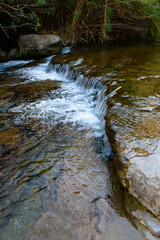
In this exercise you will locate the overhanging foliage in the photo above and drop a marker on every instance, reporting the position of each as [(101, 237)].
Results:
[(83, 20)]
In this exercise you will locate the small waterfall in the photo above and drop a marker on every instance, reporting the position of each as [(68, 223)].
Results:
[(90, 85), (86, 83)]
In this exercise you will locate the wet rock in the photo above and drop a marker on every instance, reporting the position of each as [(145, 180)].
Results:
[(14, 53), (32, 91), (35, 45), (9, 138), (3, 56), (137, 149), (11, 55), (148, 236), (149, 221), (3, 103), (144, 179), (1, 150)]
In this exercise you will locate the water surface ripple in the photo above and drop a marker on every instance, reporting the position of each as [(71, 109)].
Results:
[(56, 179)]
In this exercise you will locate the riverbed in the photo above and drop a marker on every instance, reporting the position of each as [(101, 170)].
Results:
[(57, 174)]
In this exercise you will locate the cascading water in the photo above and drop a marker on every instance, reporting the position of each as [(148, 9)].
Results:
[(15, 63), (94, 92), (54, 173)]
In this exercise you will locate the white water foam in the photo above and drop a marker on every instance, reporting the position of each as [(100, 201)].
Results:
[(67, 49), (15, 63), (36, 73), (73, 105)]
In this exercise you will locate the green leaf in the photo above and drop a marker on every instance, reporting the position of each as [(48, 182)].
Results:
[(37, 26), (41, 2), (77, 14), (33, 15)]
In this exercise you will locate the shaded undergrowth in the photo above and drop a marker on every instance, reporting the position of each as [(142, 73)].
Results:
[(83, 20)]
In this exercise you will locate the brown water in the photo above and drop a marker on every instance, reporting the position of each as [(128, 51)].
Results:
[(57, 179)]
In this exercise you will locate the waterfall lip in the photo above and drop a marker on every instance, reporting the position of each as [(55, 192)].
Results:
[(91, 84), (88, 84)]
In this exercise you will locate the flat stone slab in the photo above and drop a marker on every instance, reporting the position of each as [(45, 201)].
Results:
[(144, 178)]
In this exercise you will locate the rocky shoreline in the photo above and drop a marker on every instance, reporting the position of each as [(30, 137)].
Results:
[(137, 165)]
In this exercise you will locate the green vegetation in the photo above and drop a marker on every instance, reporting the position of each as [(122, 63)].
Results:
[(140, 16), (82, 20), (21, 14)]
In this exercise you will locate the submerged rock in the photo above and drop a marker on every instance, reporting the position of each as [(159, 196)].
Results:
[(35, 45)]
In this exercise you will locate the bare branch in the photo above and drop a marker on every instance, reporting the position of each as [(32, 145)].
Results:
[(4, 31)]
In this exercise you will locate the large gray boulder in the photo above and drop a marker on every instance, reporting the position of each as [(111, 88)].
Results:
[(35, 45)]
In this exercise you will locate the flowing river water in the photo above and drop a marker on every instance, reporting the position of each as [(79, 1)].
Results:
[(57, 177)]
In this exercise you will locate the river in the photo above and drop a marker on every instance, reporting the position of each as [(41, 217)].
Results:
[(57, 176)]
